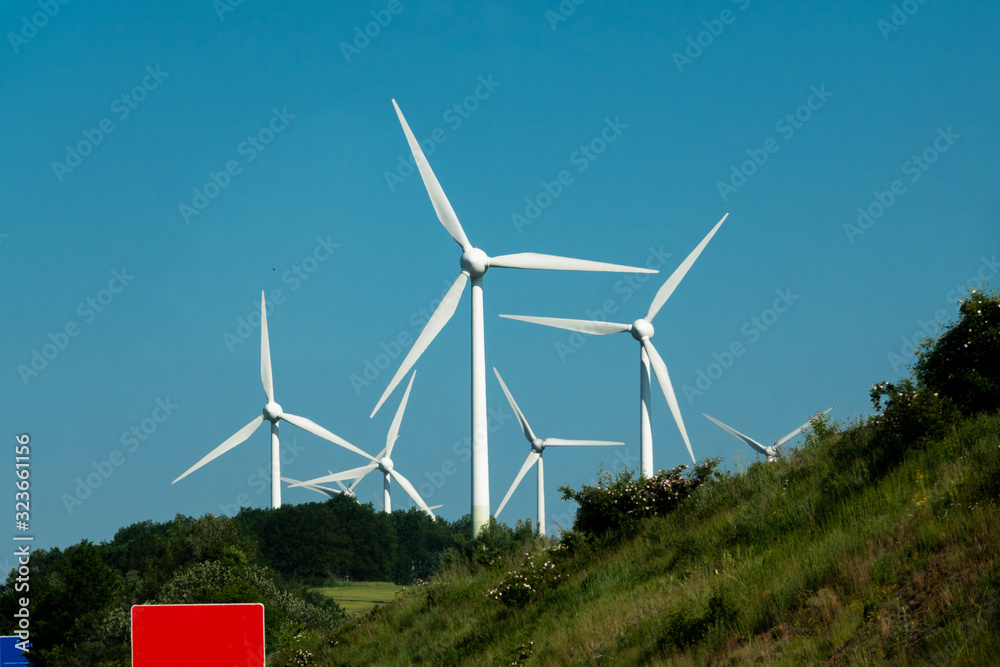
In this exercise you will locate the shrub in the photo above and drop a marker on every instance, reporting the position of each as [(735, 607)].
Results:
[(619, 501)]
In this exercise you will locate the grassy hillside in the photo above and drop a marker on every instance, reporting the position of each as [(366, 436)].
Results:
[(857, 548)]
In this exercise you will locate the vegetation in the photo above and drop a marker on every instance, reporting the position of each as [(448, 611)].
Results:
[(875, 542)]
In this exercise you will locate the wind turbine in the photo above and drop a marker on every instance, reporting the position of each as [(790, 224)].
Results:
[(273, 413), (326, 491), (381, 462), (382, 506), (642, 331), (770, 452), (474, 263), (538, 446)]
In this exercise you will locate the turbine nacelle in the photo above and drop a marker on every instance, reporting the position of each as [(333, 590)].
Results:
[(642, 329), (475, 262), (272, 412)]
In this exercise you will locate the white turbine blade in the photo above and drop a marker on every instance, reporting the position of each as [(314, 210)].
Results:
[(230, 442), (445, 213), (533, 260), (663, 379), (394, 429), (583, 326), (528, 462), (438, 319), (675, 278), (347, 474), (379, 502), (314, 428), (312, 487), (435, 507), (745, 438), (517, 411), (794, 433), (410, 491), (265, 353), (559, 442)]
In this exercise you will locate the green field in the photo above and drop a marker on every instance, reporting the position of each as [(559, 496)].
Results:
[(359, 598)]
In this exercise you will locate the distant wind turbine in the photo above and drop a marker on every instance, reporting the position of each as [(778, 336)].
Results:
[(474, 264), (326, 491), (382, 462), (272, 413), (770, 452), (538, 446), (642, 331)]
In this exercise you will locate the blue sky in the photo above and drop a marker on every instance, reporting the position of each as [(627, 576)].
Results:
[(168, 163)]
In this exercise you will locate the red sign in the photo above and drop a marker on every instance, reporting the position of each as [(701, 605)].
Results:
[(213, 635)]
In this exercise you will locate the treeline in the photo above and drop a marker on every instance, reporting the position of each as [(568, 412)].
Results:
[(81, 597)]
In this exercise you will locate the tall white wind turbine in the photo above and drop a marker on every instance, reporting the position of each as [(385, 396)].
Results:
[(642, 331), (382, 462), (272, 413), (474, 263), (538, 446), (770, 452)]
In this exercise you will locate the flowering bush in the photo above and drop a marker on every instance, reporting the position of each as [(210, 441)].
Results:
[(618, 501), (518, 587), (911, 414)]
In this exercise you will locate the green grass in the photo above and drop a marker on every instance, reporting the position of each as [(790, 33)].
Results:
[(829, 556), (361, 597)]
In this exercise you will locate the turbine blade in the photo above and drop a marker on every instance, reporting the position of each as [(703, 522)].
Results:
[(528, 462), (380, 505), (312, 487), (438, 319), (347, 474), (794, 433), (583, 326), (394, 429), (314, 428), (232, 441), (534, 260), (410, 491), (663, 379), (675, 278), (265, 353), (445, 213), (761, 449), (517, 411), (559, 442)]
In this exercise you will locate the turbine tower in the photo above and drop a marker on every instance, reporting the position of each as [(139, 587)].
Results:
[(272, 413), (770, 452), (382, 462), (642, 331), (538, 446), (474, 264)]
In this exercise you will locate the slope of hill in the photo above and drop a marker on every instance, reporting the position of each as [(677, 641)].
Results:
[(847, 551)]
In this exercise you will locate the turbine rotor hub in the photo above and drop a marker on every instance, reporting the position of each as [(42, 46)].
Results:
[(272, 412), (537, 445), (642, 328), (475, 262), (385, 464)]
